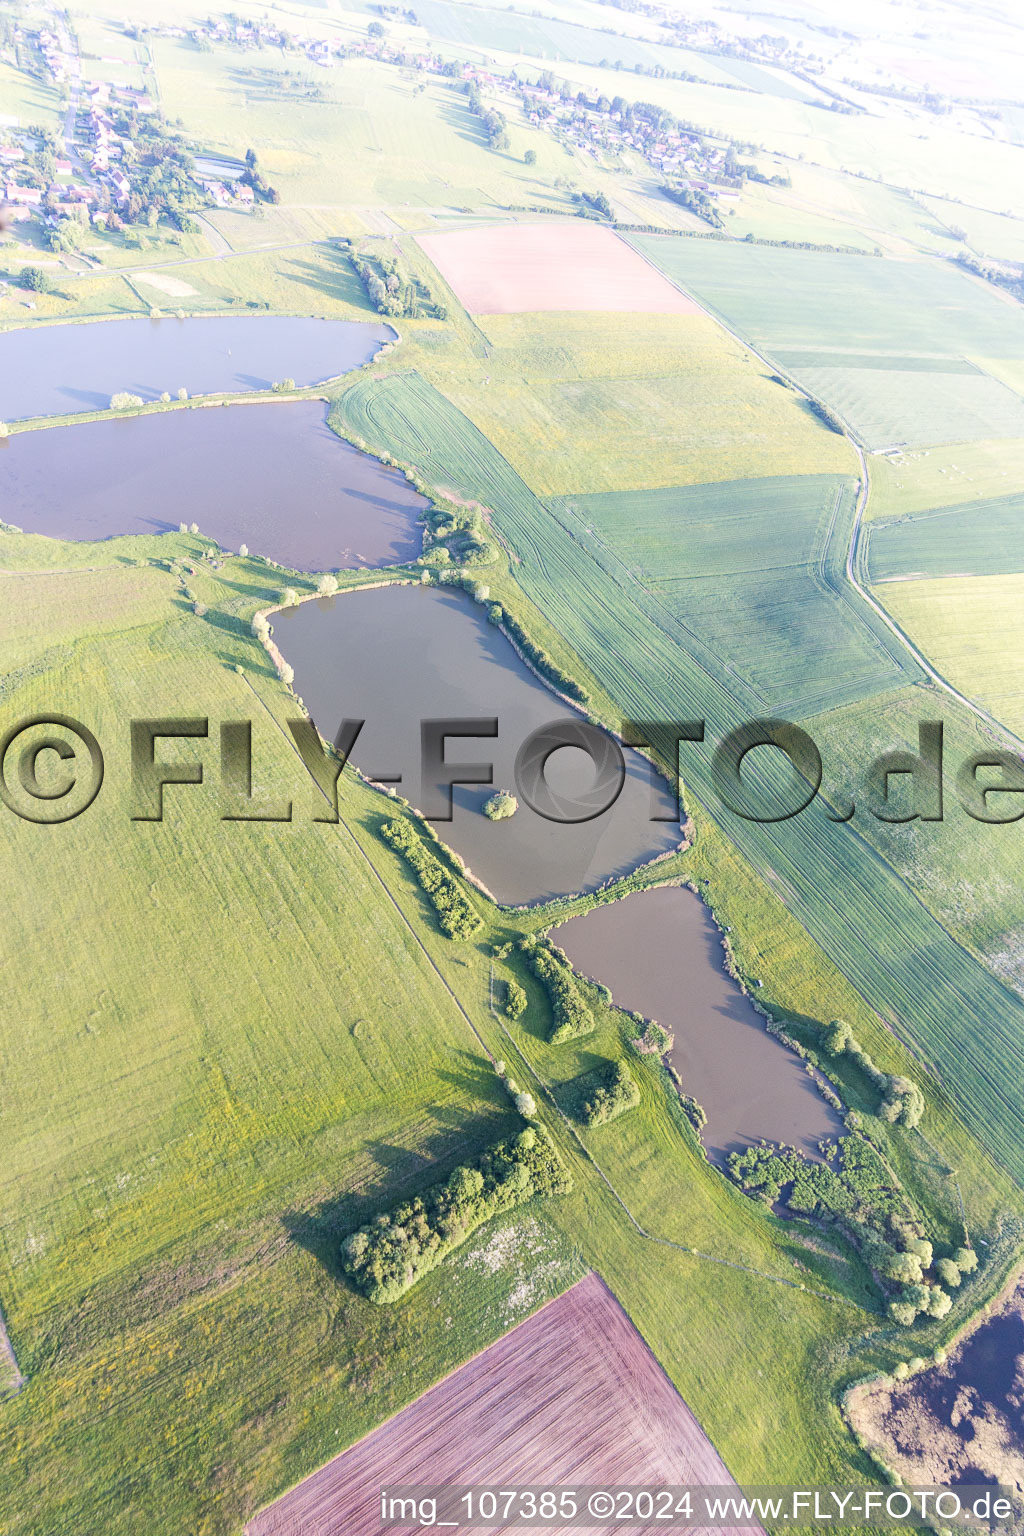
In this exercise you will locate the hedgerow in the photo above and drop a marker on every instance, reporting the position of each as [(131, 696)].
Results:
[(455, 914)]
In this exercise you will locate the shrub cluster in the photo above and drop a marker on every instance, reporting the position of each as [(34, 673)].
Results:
[(395, 1250), (569, 1013), (455, 914), (515, 999), (545, 665), (902, 1100), (860, 1196), (606, 1093)]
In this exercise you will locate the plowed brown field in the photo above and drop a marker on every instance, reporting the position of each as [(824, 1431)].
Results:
[(573, 1396), (525, 268)]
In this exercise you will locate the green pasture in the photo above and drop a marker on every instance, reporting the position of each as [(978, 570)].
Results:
[(592, 403), (369, 140), (927, 986), (969, 628), (812, 300), (965, 872), (981, 538), (916, 481), (748, 570), (28, 99), (915, 406)]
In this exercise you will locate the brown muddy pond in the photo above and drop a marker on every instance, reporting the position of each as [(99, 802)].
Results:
[(393, 656), (51, 370), (959, 1424), (271, 476), (660, 954)]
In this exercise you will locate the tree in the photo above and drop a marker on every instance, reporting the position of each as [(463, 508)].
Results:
[(948, 1273), (251, 159), (939, 1303), (193, 527), (327, 585), (530, 158), (376, 29), (289, 597), (287, 674), (501, 806), (526, 1105), (515, 999), (284, 386), (243, 550), (966, 1260), (182, 394), (34, 279), (165, 398), (123, 401), (4, 429)]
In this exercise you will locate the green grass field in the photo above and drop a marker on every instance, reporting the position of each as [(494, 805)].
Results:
[(369, 140), (813, 300), (917, 407), (944, 476), (967, 626), (982, 538), (592, 403), (749, 568)]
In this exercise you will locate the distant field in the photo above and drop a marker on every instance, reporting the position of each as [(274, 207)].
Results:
[(543, 37), (749, 567), (944, 476), (983, 538), (367, 140), (517, 268), (969, 628), (683, 403), (869, 336), (504, 1418), (813, 300), (27, 99), (915, 406)]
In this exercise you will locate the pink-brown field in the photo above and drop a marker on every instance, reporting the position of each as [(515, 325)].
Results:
[(524, 268), (573, 1396)]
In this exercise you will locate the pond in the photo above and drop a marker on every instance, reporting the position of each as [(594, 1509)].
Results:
[(52, 370), (957, 1424), (393, 656), (660, 954), (271, 476)]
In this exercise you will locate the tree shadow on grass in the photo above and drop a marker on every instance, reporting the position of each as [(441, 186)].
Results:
[(333, 275), (400, 1173)]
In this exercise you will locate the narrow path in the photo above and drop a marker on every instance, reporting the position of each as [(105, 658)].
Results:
[(7, 1351)]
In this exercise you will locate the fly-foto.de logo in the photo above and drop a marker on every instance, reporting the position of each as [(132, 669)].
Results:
[(52, 769)]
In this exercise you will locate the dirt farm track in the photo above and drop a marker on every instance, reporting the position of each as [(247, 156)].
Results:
[(573, 1395)]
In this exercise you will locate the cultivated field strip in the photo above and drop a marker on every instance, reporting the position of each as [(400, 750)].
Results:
[(980, 538), (571, 1396), (905, 964)]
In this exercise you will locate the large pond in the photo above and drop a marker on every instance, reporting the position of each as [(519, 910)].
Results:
[(393, 656), (273, 477), (661, 955), (50, 370)]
